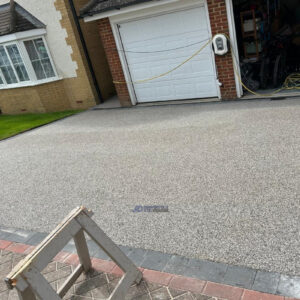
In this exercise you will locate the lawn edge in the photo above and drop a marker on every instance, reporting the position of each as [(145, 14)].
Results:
[(38, 126)]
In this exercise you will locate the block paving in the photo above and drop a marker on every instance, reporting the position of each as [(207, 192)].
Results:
[(105, 275), (94, 285)]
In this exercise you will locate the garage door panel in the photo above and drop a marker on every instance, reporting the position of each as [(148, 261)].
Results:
[(198, 67), (176, 54), (149, 93), (205, 89), (168, 42), (159, 65), (194, 70), (195, 79), (185, 89), (136, 40), (182, 89), (143, 29), (163, 91)]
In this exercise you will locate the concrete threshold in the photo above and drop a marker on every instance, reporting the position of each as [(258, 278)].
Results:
[(178, 102), (280, 96), (114, 103)]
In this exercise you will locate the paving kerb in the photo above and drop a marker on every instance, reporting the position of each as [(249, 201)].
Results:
[(229, 275)]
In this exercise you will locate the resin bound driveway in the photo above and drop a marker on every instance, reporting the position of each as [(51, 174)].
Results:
[(229, 173)]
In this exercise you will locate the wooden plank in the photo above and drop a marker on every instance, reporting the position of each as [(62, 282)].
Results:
[(122, 287), (19, 284), (72, 226), (58, 233), (27, 294), (82, 250), (40, 285), (110, 248), (70, 281), (58, 241), (37, 260)]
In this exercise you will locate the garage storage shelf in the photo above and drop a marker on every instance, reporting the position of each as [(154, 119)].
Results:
[(250, 34)]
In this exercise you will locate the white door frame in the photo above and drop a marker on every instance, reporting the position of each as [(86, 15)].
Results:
[(174, 7), (126, 72), (234, 47)]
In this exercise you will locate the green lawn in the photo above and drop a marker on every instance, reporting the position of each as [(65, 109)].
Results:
[(13, 124)]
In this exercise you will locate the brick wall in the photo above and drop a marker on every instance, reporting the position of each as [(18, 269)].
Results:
[(40, 98), (219, 24), (114, 62)]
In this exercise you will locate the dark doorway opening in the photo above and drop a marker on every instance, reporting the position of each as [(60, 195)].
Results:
[(268, 37)]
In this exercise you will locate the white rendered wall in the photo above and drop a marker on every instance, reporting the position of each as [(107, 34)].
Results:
[(45, 11)]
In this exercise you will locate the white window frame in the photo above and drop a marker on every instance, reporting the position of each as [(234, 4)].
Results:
[(12, 65), (49, 56), (18, 40)]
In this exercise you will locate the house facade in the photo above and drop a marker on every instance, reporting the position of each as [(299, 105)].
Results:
[(42, 63), (143, 40), (73, 54), (56, 74)]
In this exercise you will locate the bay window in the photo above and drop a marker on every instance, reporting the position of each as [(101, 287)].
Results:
[(39, 58), (6, 67), (25, 62), (17, 62)]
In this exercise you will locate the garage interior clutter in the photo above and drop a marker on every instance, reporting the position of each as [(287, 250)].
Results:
[(268, 38)]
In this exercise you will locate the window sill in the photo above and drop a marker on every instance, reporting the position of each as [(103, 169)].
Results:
[(29, 83)]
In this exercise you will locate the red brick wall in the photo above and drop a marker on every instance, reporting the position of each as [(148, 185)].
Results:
[(113, 59), (219, 24)]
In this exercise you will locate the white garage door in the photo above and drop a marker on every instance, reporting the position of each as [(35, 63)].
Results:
[(145, 42)]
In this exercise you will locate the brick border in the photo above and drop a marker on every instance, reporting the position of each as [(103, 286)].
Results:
[(199, 276), (165, 279)]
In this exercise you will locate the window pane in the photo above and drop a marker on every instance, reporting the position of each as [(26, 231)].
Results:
[(40, 47), (17, 61), (21, 72), (6, 67), (14, 54), (31, 50), (38, 69), (9, 75), (48, 68), (3, 57), (39, 57), (1, 81)]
